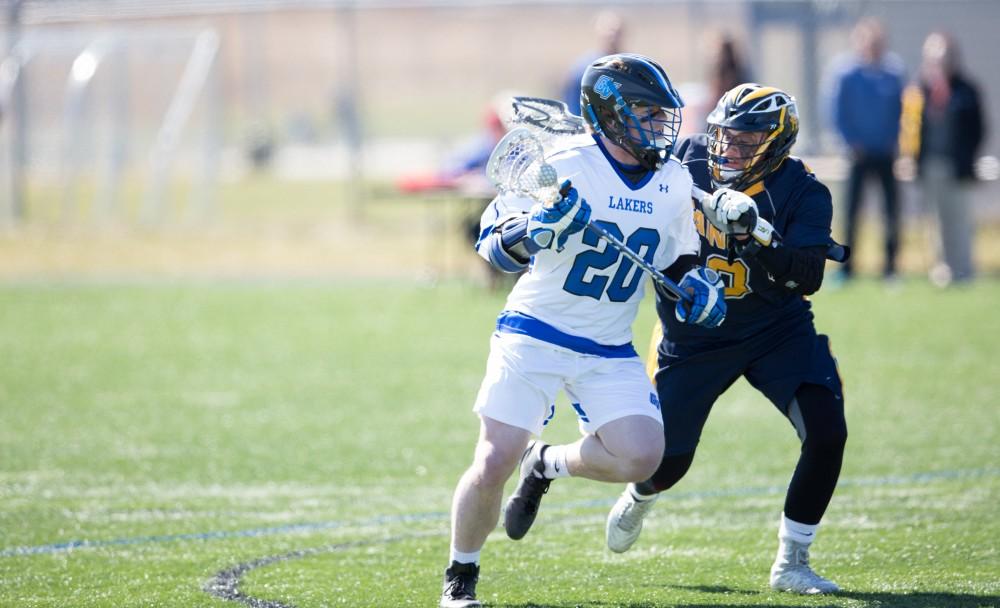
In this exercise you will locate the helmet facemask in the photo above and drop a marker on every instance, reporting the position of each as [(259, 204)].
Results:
[(647, 132), (629, 100), (737, 159), (650, 132)]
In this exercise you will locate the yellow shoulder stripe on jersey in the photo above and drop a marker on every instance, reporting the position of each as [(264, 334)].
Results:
[(651, 356), (755, 189)]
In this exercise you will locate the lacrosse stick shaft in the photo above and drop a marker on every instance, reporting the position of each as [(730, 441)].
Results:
[(699, 195), (641, 263)]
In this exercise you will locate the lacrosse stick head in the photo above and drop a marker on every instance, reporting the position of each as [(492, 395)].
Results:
[(550, 116), (517, 165)]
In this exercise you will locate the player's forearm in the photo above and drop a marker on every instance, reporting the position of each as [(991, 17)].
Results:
[(797, 270)]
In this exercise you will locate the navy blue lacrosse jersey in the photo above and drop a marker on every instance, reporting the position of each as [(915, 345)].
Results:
[(801, 211)]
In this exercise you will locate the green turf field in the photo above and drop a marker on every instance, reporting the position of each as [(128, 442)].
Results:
[(297, 443)]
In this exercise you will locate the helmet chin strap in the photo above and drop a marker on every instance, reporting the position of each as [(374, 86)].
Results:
[(656, 163), (644, 161), (642, 156), (731, 177), (616, 148)]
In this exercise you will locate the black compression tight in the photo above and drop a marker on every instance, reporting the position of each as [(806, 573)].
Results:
[(671, 470), (818, 469), (816, 474)]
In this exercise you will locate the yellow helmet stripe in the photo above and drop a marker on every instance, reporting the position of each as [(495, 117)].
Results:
[(739, 90), (762, 148), (761, 92), (781, 125)]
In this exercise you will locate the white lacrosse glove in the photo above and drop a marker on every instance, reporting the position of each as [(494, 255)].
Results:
[(556, 223), (735, 213)]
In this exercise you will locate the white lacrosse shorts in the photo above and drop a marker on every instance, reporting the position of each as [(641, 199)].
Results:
[(524, 375)]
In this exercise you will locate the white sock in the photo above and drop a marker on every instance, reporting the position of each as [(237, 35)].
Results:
[(464, 558), (793, 530), (638, 496), (555, 462)]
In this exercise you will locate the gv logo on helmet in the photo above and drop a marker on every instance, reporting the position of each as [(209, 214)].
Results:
[(606, 86)]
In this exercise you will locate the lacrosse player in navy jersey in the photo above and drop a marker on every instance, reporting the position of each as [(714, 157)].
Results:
[(567, 322), (766, 230)]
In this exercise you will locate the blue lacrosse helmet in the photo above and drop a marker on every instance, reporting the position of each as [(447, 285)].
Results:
[(628, 98)]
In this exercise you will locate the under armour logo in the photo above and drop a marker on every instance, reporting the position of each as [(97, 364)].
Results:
[(664, 188)]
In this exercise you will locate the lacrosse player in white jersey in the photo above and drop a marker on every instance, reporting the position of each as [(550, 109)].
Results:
[(567, 322)]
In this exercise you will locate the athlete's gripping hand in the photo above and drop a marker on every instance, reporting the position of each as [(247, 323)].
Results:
[(735, 213), (708, 301), (566, 217)]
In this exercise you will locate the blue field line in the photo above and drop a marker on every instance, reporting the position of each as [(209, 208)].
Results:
[(892, 480), (219, 534)]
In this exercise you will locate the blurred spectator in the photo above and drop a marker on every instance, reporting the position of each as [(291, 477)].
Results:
[(867, 102), (608, 32), (464, 172), (464, 169), (726, 70), (943, 129), (260, 147)]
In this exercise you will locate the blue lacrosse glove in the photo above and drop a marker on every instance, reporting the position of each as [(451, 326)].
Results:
[(558, 222), (708, 300)]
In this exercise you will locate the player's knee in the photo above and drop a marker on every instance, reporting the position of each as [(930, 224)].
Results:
[(823, 415), (494, 464), (641, 463), (670, 470), (829, 439)]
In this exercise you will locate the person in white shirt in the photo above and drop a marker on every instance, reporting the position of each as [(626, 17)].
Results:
[(567, 322)]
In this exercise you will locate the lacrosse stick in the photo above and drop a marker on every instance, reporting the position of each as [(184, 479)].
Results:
[(700, 195), (517, 165)]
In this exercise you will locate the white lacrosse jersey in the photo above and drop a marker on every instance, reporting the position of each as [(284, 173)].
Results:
[(586, 296)]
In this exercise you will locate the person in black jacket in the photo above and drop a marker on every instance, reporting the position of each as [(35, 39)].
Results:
[(944, 107)]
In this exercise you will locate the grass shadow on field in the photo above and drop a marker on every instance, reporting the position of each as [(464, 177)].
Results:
[(870, 599), (929, 599), (671, 604), (881, 599)]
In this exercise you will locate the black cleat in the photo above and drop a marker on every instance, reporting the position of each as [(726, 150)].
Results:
[(460, 586), (522, 506)]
